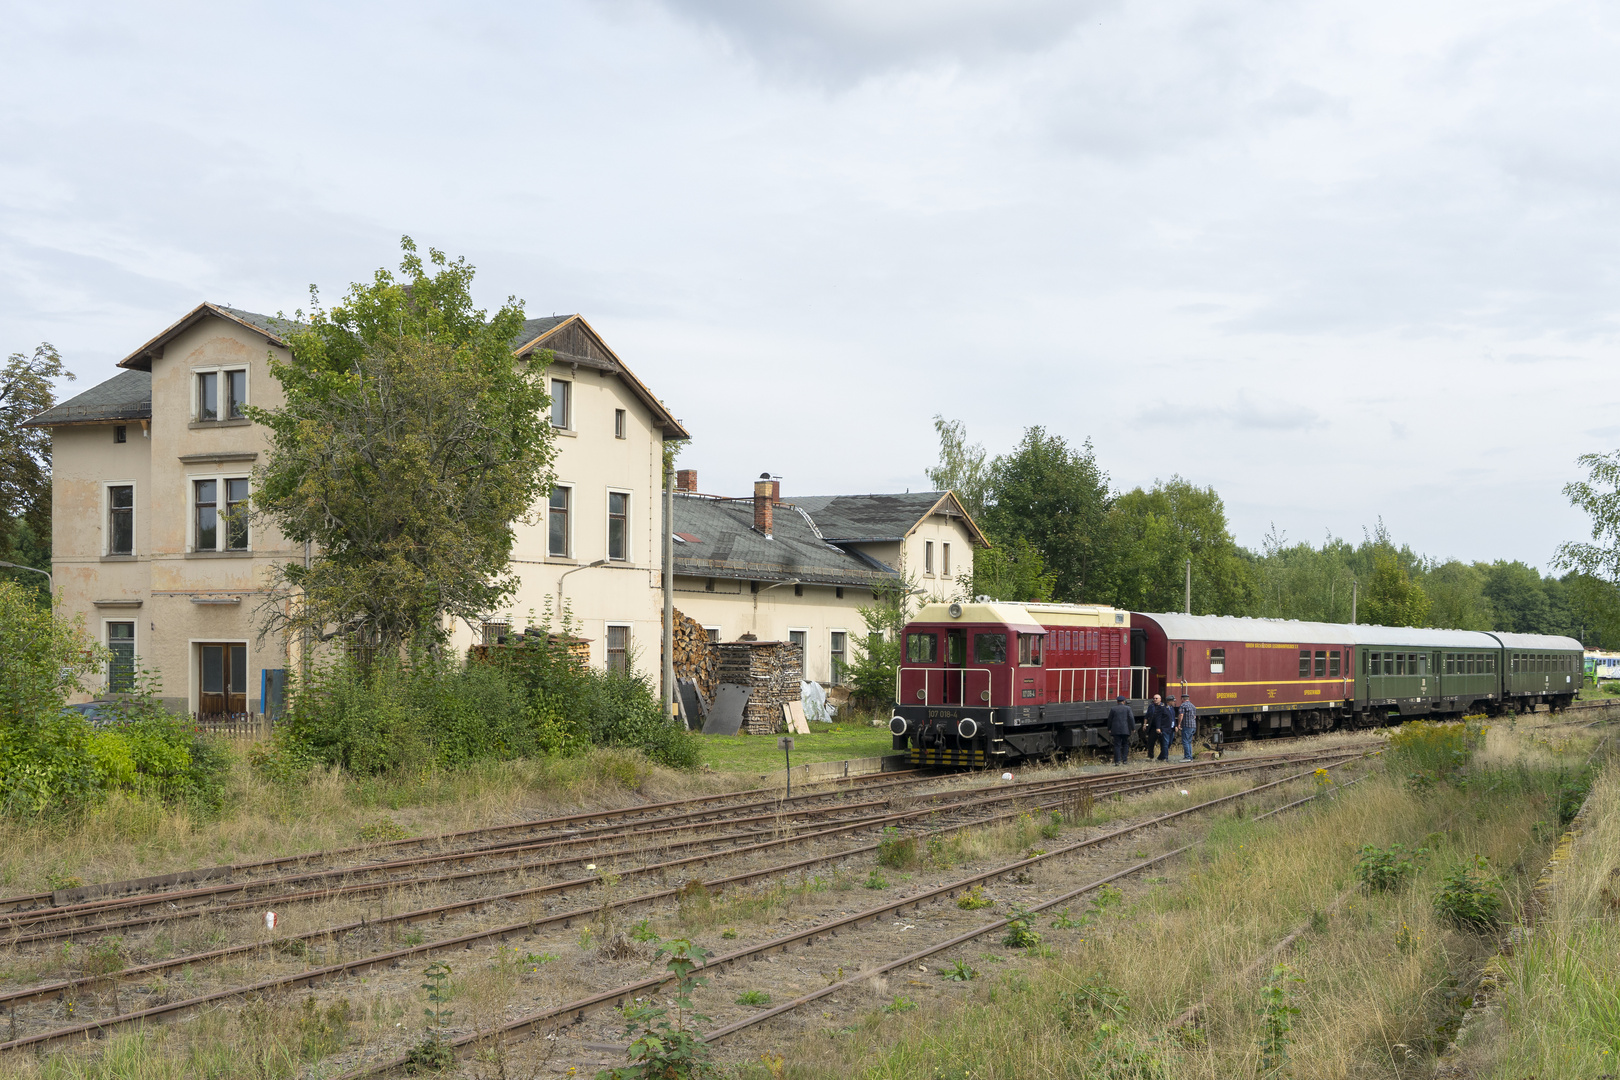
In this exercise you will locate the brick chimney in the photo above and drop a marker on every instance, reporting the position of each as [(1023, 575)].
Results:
[(686, 480), (764, 502), (776, 491)]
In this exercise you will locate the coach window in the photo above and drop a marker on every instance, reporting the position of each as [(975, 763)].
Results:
[(1333, 664), (1321, 663), (1389, 663), (1400, 663), (1413, 665), (1366, 658), (1180, 656), (1217, 661), (990, 649), (1304, 663), (922, 648), (1513, 663), (1490, 663)]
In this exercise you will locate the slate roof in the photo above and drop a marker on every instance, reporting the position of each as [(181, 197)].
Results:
[(271, 327), (125, 396), (727, 546), (872, 519)]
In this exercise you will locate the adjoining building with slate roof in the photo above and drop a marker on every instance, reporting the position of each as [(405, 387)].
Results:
[(799, 569)]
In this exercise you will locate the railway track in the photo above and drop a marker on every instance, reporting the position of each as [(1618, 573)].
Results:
[(554, 1020), (990, 805)]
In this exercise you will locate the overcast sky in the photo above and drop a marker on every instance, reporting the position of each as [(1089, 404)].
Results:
[(1338, 260)]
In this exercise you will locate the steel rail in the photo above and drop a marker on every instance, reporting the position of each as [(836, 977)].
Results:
[(576, 1010), (315, 976), (22, 922)]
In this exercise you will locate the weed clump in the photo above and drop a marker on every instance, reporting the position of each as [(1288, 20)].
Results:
[(1431, 753), (1021, 932), (1384, 869), (1468, 898), (896, 851), (974, 899)]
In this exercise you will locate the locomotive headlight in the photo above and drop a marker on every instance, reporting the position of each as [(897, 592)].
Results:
[(967, 728), (984, 695), (922, 695), (897, 725)]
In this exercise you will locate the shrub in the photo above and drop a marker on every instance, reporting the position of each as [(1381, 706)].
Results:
[(1021, 932), (1383, 869), (1468, 898), (895, 850)]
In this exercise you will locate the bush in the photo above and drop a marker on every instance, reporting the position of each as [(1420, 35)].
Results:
[(1468, 898), (1383, 869)]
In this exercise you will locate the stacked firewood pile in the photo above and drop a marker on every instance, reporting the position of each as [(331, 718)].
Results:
[(695, 656), (772, 670)]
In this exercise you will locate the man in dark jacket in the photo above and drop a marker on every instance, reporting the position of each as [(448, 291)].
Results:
[(1160, 720), (1187, 723), (1120, 725)]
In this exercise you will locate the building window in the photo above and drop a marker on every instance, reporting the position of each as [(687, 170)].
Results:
[(236, 514), (208, 396), (206, 505), (945, 560), (235, 394), (1217, 661), (121, 520), (840, 642), (618, 648), (798, 589), (713, 634), (121, 666), (618, 423), (496, 631), (561, 404), (557, 522), (928, 556), (618, 525), (120, 433), (839, 592), (708, 585), (799, 638)]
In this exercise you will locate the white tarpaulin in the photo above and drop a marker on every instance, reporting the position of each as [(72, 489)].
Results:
[(814, 700)]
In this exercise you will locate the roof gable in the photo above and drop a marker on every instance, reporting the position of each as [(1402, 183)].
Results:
[(269, 327), (871, 519), (571, 340)]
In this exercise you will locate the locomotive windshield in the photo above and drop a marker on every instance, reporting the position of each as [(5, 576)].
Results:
[(990, 648), (922, 648), (1029, 650)]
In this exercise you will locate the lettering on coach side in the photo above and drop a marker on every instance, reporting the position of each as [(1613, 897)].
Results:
[(1313, 692), (1267, 645), (1222, 697)]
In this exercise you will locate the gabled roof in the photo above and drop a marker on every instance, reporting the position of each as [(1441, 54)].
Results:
[(872, 519), (571, 340), (125, 396), (726, 545), (271, 328)]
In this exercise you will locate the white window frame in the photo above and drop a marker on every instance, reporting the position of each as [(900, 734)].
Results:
[(573, 513), (106, 624), (621, 423), (607, 523), (106, 517), (805, 630), (629, 644), (945, 558), (568, 405), (928, 558), (715, 630), (832, 655), (219, 392), (219, 510)]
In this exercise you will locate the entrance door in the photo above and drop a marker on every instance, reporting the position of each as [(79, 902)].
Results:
[(955, 661), (1178, 667), (223, 687)]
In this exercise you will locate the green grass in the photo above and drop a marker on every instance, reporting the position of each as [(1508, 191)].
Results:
[(826, 742)]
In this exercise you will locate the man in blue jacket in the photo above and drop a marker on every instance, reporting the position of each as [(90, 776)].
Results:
[(1188, 723), (1121, 722), (1161, 718)]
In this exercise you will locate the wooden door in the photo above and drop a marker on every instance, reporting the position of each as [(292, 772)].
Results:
[(223, 680)]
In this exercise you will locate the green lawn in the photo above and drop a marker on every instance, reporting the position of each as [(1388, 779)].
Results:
[(826, 742)]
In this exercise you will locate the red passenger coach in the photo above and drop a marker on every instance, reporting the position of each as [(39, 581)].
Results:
[(1253, 675)]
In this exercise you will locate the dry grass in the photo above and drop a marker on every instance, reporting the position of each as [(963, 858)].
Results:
[(128, 837), (1383, 979), (1560, 1011)]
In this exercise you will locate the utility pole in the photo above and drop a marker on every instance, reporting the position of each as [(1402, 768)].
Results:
[(669, 587), (1355, 587), (1188, 610)]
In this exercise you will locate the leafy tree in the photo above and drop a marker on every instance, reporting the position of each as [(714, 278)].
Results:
[(26, 390), (1390, 597), (1457, 597), (1599, 496), (1010, 569), (1594, 610), (1298, 581), (963, 468), (1518, 597), (1055, 497), (1154, 533), (409, 444), (871, 674)]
